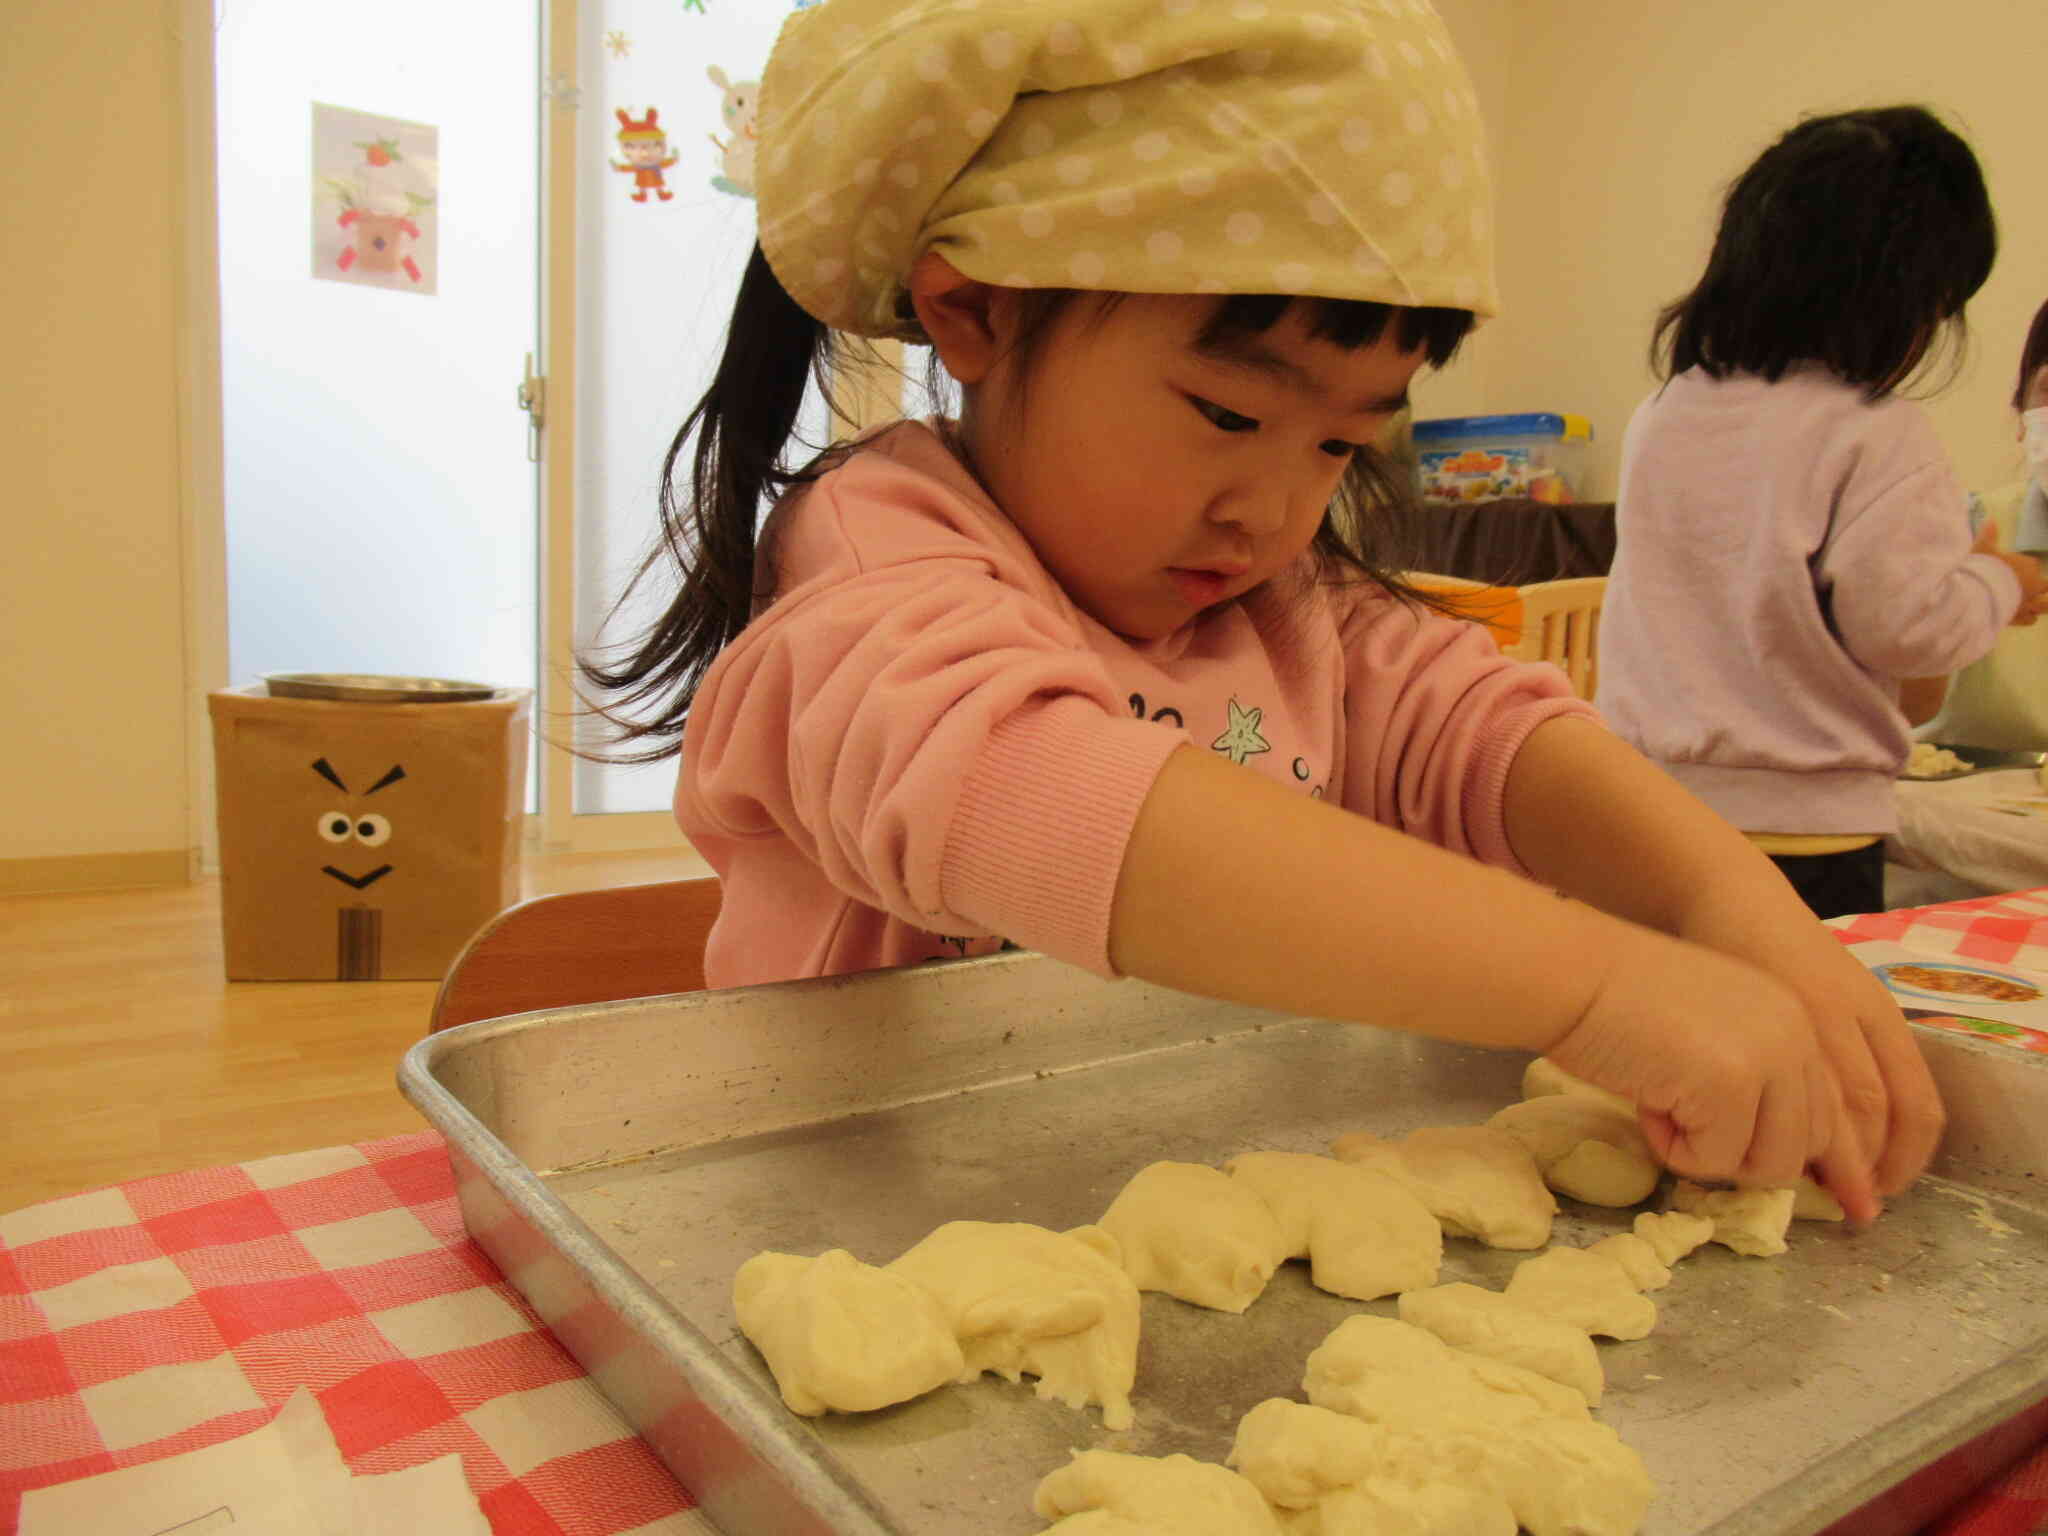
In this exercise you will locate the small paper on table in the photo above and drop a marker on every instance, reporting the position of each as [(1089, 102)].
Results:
[(285, 1479)]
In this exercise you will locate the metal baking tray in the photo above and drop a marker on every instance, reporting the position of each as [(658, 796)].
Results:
[(620, 1161)]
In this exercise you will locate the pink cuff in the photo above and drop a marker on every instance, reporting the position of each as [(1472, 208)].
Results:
[(1038, 837)]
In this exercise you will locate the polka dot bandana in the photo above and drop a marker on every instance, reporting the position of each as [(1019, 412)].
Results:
[(1325, 148)]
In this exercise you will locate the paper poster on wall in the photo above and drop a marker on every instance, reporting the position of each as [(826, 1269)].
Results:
[(376, 183)]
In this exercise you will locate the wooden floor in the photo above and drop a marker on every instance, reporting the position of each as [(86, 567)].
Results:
[(124, 1052)]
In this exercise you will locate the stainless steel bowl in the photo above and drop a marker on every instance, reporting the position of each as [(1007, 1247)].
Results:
[(368, 688)]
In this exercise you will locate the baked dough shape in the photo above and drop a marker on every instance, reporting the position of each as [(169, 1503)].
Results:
[(1393, 1373), (1174, 1493), (1194, 1232), (1543, 1077), (1482, 1424), (1812, 1203), (1476, 1180), (1483, 1322), (1363, 1233), (1589, 1290), (1025, 1300), (1672, 1234), (1584, 1147), (1337, 1476), (843, 1336), (1750, 1221)]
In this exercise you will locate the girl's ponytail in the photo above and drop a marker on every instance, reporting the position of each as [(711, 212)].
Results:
[(742, 426)]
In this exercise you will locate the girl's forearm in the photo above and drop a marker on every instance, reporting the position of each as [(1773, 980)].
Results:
[(1238, 888)]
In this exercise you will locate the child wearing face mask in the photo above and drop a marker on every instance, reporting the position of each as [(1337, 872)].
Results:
[(1789, 550), (2002, 700), (1113, 666)]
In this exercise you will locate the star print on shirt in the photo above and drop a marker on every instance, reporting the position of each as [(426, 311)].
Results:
[(1242, 740)]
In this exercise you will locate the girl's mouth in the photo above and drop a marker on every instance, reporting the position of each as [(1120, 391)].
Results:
[(1201, 589)]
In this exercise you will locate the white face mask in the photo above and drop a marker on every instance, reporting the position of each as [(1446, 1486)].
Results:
[(2034, 427)]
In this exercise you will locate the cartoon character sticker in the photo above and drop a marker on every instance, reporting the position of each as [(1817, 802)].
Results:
[(736, 149), (375, 188), (644, 143)]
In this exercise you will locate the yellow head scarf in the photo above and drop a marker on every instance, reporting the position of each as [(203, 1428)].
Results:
[(1325, 148)]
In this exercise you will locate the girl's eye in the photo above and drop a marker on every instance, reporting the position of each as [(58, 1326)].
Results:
[(1337, 448), (1223, 420)]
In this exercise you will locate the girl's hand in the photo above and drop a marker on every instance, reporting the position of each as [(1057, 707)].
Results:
[(1727, 1073), (2033, 588)]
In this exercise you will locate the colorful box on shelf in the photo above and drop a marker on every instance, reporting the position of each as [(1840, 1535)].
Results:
[(1537, 454)]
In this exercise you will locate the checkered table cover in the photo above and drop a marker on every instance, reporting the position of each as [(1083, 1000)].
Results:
[(158, 1316)]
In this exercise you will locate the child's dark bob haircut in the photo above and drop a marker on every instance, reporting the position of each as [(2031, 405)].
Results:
[(2033, 357), (1853, 242)]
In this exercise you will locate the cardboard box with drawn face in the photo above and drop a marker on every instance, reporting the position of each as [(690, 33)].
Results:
[(364, 841)]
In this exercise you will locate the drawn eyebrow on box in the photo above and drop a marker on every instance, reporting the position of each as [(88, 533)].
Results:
[(397, 772), (326, 771)]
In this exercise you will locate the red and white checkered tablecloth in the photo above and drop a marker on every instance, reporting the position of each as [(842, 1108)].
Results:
[(155, 1317)]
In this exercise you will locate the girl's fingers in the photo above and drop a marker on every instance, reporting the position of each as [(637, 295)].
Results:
[(1781, 1145), (1914, 1117)]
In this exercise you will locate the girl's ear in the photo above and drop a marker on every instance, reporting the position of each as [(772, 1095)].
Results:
[(966, 320)]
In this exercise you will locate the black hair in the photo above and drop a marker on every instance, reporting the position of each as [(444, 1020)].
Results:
[(1853, 242), (2033, 356), (743, 429)]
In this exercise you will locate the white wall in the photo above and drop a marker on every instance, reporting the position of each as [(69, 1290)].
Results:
[(1626, 120)]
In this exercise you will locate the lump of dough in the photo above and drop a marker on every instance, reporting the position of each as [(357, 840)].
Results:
[(1024, 1299), (1175, 1493), (1672, 1234), (1478, 1181), (1560, 1478), (1364, 1235), (1100, 1522), (1387, 1506), (1751, 1221), (1354, 1478), (1637, 1258), (1812, 1203), (1543, 1077), (841, 1335), (1194, 1232), (1393, 1373), (1589, 1290), (1483, 1322), (1584, 1147)]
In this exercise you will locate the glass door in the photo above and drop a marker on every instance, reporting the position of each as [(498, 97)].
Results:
[(379, 272)]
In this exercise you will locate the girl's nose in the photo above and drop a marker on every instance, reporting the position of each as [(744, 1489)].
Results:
[(1256, 506)]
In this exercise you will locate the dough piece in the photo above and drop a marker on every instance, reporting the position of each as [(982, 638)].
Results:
[(1483, 1322), (1544, 1076), (1560, 1478), (1346, 1477), (1385, 1506), (1364, 1235), (1637, 1258), (1812, 1203), (1672, 1234), (1175, 1493), (1024, 1299), (1481, 1425), (1396, 1374), (1100, 1522), (1584, 1147), (1478, 1181), (1751, 1221), (1589, 1290), (1194, 1232), (842, 1335)]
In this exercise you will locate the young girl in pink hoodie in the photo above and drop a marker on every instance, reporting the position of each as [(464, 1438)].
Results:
[(1114, 665)]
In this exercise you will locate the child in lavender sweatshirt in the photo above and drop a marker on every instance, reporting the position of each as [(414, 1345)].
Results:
[(1792, 546), (1113, 665)]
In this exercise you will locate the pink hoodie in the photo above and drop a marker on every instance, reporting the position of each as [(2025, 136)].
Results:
[(920, 748)]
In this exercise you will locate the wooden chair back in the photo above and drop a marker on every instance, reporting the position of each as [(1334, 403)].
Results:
[(1561, 625), (581, 947), (1498, 608)]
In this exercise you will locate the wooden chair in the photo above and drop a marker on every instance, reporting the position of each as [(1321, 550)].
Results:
[(581, 947), (1561, 625), (1498, 608)]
